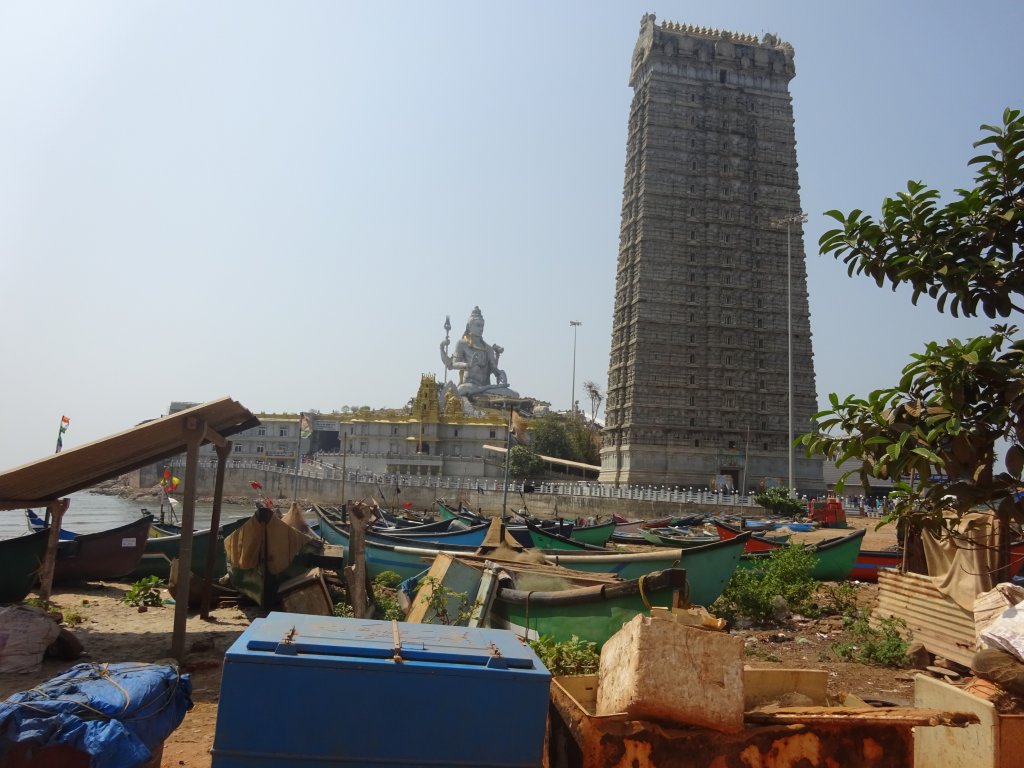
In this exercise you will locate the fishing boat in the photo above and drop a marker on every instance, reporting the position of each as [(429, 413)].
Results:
[(20, 558), (759, 542), (552, 541), (547, 601), (834, 559), (161, 550), (36, 523), (597, 534), (709, 567), (869, 561), (470, 537), (672, 537), (108, 554)]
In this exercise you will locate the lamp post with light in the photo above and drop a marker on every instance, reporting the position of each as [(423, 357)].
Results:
[(572, 399), (789, 221)]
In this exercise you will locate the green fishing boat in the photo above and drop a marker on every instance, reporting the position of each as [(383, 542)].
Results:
[(20, 558), (708, 567), (597, 535), (834, 559), (161, 550), (536, 600)]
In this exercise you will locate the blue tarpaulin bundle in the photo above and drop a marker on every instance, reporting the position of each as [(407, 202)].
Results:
[(115, 713)]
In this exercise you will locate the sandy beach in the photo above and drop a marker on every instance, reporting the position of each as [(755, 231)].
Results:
[(112, 631)]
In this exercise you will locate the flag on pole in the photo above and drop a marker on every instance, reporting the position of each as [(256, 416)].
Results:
[(64, 422)]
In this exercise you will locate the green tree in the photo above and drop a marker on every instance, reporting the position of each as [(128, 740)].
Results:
[(523, 463), (779, 502), (936, 433), (550, 435)]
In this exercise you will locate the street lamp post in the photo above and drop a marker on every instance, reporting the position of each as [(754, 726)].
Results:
[(572, 399), (789, 221)]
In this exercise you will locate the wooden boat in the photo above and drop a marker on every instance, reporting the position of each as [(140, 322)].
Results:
[(20, 558), (709, 567), (36, 523), (664, 537), (869, 561), (470, 537), (550, 540), (546, 601), (834, 558), (161, 550), (446, 511), (597, 534), (108, 554), (756, 543)]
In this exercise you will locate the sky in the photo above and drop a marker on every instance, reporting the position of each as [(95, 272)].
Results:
[(281, 202)]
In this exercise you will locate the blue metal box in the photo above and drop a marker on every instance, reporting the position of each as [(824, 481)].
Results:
[(317, 691)]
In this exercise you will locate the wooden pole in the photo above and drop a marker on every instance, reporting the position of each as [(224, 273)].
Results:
[(194, 429), (359, 594), (213, 542), (55, 510)]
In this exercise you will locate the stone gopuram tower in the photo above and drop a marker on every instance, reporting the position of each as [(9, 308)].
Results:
[(710, 276)]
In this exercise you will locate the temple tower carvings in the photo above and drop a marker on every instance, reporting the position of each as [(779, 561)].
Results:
[(698, 381)]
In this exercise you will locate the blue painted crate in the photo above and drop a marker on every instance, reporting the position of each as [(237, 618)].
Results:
[(317, 691)]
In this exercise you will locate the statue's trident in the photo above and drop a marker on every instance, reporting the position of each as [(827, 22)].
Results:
[(444, 346)]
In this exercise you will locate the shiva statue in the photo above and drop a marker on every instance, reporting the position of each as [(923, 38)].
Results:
[(475, 360)]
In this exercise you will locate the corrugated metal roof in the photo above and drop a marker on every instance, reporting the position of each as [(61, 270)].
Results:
[(83, 467)]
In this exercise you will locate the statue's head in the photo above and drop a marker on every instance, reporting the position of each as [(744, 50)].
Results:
[(475, 324)]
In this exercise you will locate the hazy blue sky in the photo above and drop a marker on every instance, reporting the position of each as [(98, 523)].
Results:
[(280, 202)]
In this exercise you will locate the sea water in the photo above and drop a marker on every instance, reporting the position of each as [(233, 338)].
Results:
[(90, 512)]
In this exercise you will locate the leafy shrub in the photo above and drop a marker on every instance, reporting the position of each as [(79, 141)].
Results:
[(569, 657), (145, 591), (754, 591), (885, 645), (386, 596), (446, 605), (838, 598)]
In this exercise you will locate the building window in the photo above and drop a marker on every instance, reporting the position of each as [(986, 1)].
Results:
[(282, 431), (259, 448), (237, 448), (262, 431), (455, 433), (732, 443), (394, 430), (457, 450), (693, 422), (493, 434), (696, 443)]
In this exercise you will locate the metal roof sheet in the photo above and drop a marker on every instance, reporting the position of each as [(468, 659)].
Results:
[(83, 467)]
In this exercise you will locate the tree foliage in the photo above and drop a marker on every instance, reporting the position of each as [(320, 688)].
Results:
[(564, 437), (935, 434), (965, 254), (523, 463), (779, 502)]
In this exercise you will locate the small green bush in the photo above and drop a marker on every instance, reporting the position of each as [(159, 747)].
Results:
[(145, 591), (838, 598), (752, 591), (569, 657), (885, 645), (445, 605)]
